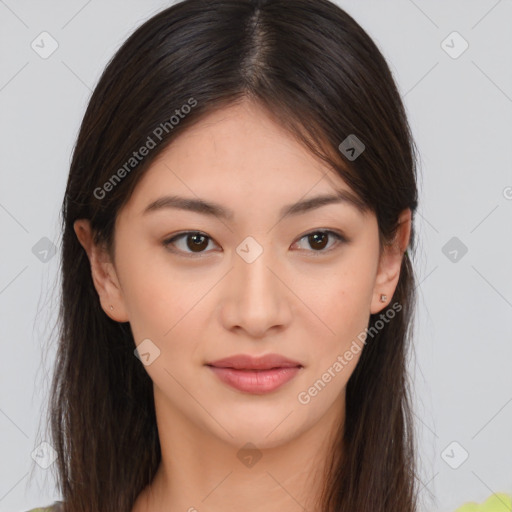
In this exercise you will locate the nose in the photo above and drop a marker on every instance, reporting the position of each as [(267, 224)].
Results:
[(256, 298)]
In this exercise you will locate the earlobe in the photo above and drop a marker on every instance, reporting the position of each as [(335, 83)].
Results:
[(103, 273), (390, 264)]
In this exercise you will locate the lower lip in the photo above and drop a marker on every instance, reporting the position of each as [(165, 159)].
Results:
[(256, 381)]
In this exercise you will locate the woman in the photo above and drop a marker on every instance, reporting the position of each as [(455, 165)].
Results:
[(237, 284)]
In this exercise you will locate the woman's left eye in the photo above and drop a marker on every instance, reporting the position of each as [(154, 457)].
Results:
[(196, 241), (318, 239)]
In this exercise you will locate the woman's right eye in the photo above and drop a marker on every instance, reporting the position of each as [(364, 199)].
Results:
[(195, 241)]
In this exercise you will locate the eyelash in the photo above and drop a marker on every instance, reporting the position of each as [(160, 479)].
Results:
[(338, 236)]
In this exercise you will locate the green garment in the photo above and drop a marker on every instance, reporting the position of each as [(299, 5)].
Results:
[(499, 502)]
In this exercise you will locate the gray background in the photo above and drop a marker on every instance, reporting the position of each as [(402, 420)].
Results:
[(460, 110)]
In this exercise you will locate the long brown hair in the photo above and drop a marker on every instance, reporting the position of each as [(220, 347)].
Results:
[(319, 74)]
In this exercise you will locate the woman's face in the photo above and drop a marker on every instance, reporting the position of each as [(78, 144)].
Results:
[(251, 282)]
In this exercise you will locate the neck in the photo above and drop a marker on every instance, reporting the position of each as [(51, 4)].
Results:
[(201, 472)]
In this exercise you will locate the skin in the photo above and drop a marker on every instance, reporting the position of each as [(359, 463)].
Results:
[(294, 300)]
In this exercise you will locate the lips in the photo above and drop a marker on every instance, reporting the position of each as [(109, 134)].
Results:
[(247, 362), (255, 375)]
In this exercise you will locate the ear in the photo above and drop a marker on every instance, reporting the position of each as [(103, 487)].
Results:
[(104, 275), (390, 263)]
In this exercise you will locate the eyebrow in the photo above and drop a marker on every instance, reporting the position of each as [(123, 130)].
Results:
[(214, 209)]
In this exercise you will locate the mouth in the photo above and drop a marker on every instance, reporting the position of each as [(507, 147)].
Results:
[(255, 375)]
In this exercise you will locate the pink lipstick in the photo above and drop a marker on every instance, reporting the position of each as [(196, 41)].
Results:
[(257, 375)]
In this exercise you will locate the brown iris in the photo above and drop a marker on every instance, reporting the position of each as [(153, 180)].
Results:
[(316, 242), (200, 242)]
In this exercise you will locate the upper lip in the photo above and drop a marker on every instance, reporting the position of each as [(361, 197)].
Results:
[(247, 362)]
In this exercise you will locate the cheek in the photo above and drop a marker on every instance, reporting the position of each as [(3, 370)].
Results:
[(163, 305), (341, 302)]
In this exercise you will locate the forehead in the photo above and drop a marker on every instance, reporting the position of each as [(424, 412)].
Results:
[(237, 155)]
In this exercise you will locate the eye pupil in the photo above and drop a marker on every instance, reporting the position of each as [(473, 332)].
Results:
[(315, 237), (198, 243)]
